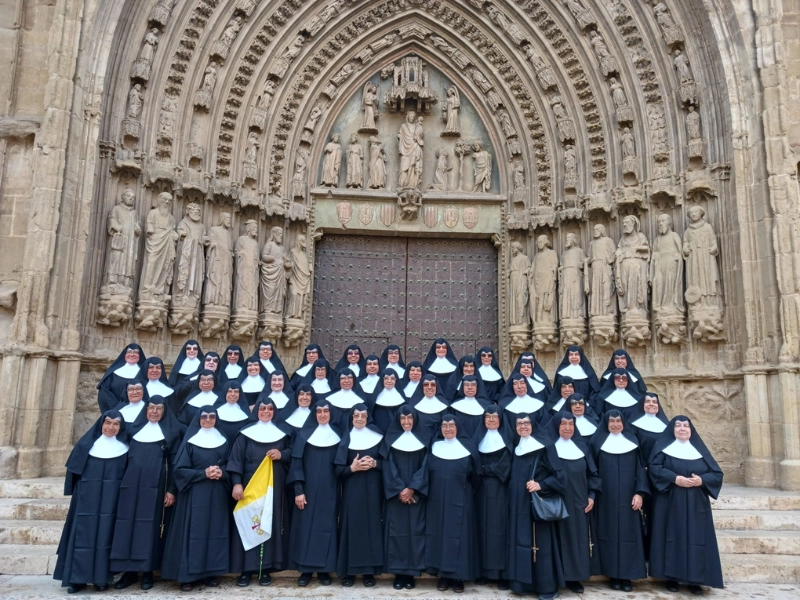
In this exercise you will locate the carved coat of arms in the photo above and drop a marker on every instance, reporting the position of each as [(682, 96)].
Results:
[(430, 215), (365, 214), (344, 210), (450, 216), (387, 214), (470, 217)]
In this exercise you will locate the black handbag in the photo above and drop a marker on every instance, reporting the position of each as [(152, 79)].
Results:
[(547, 508)]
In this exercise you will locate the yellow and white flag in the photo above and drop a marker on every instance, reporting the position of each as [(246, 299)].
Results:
[(253, 513)]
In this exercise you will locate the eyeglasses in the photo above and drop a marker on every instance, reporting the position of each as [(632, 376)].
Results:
[(353, 353), (577, 402), (204, 417), (429, 384), (212, 359)]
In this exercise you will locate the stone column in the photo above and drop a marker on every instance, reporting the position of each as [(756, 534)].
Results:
[(760, 465)]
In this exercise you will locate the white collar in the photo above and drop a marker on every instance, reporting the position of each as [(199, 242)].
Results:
[(536, 386), (131, 411), (449, 449), (397, 369), (526, 445), (207, 438), (298, 417), (303, 370), (371, 380), (345, 399), (430, 406), (585, 426), (441, 365), (107, 447), (489, 373), (567, 449), (151, 432), (267, 365), (363, 439), (524, 404), (232, 413), (616, 443), (203, 398), (574, 371), (156, 388), (650, 423), (252, 384), (491, 442), (408, 442), (390, 398), (279, 398), (557, 406), (354, 368), (410, 388), (189, 366), (620, 398), (232, 370), (324, 437), (265, 433), (128, 371), (321, 386), (468, 406), (684, 450)]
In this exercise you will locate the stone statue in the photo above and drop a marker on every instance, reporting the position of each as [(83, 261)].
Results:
[(458, 57), (159, 251), (313, 117), (377, 164), (563, 122), (703, 290), (265, 98), (250, 169), (671, 31), (621, 105), (506, 124), (135, 100), (258, 119), (630, 163), (281, 63), (338, 79), (443, 168), (542, 294), (161, 12), (369, 106), (219, 263), (518, 272), (190, 271), (608, 64), (245, 283), (688, 87), (222, 46), (355, 163), (572, 282), (511, 29), (123, 249), (480, 80), (299, 280), (411, 141), (482, 168), (694, 133), (205, 92), (318, 21), (666, 278), (602, 306), (657, 126), (450, 111), (518, 191), (332, 162), (299, 177), (273, 273), (544, 74), (582, 16), (142, 65), (570, 168), (633, 254)]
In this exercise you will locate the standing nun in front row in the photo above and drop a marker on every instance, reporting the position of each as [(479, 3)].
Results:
[(198, 542), (95, 468), (683, 545)]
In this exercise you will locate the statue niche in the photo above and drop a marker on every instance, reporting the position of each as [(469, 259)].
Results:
[(410, 81)]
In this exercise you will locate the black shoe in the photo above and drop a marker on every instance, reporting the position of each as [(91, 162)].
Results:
[(503, 585), (147, 580), (75, 588), (348, 580), (672, 585), (187, 587), (265, 579), (458, 586), (550, 596), (696, 590), (212, 582), (304, 579), (324, 578), (398, 582), (615, 584), (442, 584), (100, 588), (244, 579), (126, 580), (410, 584), (627, 586), (575, 586), (369, 581), (481, 581)]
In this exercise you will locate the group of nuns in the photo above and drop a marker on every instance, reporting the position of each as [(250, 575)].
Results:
[(382, 466)]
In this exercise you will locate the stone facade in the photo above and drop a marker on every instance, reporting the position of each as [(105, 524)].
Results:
[(674, 125)]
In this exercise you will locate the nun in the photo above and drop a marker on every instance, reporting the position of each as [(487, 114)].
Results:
[(683, 545), (189, 362), (616, 394), (132, 408), (490, 374), (233, 364), (126, 368), (279, 390), (198, 540), (312, 474), (585, 421), (311, 355), (369, 379), (405, 486), (441, 361), (147, 494), (410, 382), (491, 497), (202, 394), (155, 378), (429, 404), (616, 453), (264, 437), (560, 394), (451, 537), (95, 469), (469, 404), (233, 412), (386, 399), (534, 373), (466, 366), (648, 422), (188, 385), (296, 412), (533, 562), (352, 358), (573, 463), (358, 467), (320, 377), (344, 399), (622, 360), (269, 357), (577, 366), (517, 398), (392, 357), (253, 379)]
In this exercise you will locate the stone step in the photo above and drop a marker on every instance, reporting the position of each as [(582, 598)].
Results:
[(760, 568), (731, 541), (27, 559), (44, 487), (15, 531), (47, 509), (744, 498), (770, 520)]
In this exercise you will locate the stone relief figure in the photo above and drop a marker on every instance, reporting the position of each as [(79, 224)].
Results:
[(570, 168), (135, 100), (343, 75), (630, 163), (315, 24), (311, 124), (367, 53), (222, 46), (563, 123), (688, 88), (299, 177), (219, 263), (247, 6), (601, 291), (299, 280), (159, 250), (481, 169), (258, 119), (250, 168), (608, 64), (542, 294), (518, 191), (161, 12), (658, 130), (518, 272), (450, 111), (506, 124), (355, 163), (377, 164), (369, 106), (622, 108), (332, 162), (281, 63), (572, 282), (190, 270), (458, 57), (694, 134), (512, 29), (544, 74), (582, 16), (246, 283), (411, 141), (480, 80), (703, 291), (633, 254), (443, 168), (142, 65), (205, 93), (671, 31), (274, 264), (166, 117), (666, 278)]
